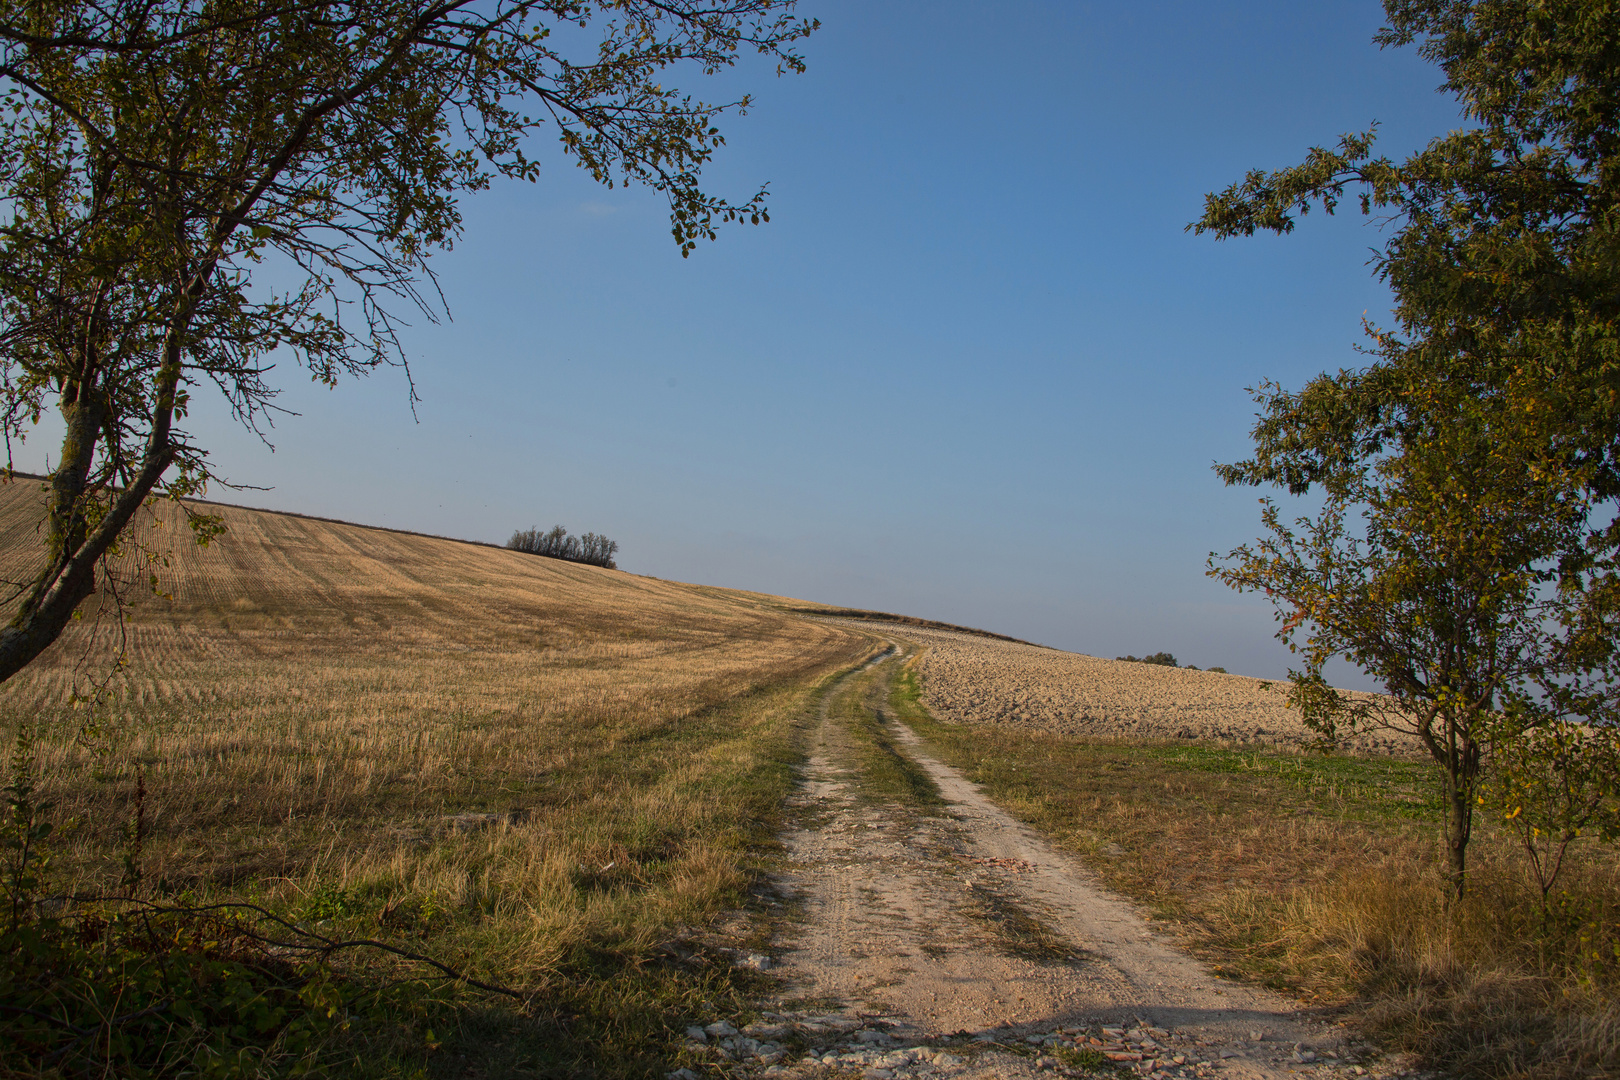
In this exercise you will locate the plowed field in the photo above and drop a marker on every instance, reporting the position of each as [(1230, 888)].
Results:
[(978, 680)]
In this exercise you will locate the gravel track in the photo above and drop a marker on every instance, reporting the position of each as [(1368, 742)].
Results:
[(894, 971)]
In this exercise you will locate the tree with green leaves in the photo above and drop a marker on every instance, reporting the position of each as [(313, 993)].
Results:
[(1501, 254), (191, 189), (1465, 554), (1553, 784), (1433, 567)]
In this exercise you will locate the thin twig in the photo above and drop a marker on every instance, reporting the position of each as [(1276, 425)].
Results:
[(318, 943)]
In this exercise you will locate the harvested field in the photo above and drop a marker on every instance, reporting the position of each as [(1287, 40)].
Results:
[(538, 769), (300, 670), (977, 680)]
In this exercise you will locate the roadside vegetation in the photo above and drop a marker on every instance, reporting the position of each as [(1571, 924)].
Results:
[(1325, 876), (544, 777)]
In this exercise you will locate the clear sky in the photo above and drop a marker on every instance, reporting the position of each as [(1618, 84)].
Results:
[(974, 369)]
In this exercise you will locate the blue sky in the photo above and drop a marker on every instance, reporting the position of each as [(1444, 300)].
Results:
[(974, 369)]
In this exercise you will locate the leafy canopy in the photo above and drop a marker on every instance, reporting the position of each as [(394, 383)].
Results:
[(1464, 554), (188, 189), (1503, 245)]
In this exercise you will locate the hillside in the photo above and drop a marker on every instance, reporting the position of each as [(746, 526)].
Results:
[(341, 599), (579, 782), (299, 669)]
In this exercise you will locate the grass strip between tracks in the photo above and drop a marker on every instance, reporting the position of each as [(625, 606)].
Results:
[(887, 775)]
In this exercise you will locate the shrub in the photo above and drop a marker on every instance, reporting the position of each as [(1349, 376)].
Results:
[(590, 549)]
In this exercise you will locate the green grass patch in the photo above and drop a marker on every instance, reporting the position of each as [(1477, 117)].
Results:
[(1087, 1059)]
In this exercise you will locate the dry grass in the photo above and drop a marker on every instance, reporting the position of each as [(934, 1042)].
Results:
[(1321, 876), (537, 763), (1490, 987)]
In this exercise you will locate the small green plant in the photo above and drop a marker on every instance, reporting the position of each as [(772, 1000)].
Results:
[(1086, 1059), (135, 839), (23, 836), (1552, 785)]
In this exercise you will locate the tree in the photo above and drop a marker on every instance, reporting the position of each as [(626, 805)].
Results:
[(1433, 568), (1163, 659), (1480, 444), (591, 548), (1502, 252), (1553, 784), (190, 187)]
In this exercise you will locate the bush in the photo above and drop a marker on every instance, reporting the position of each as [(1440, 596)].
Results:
[(1162, 658), (590, 549)]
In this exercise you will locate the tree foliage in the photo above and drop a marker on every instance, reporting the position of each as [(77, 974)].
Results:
[(1435, 570), (1552, 783), (1465, 551), (191, 190), (1502, 250)]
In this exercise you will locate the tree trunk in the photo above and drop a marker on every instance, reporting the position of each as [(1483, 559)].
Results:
[(1459, 825), (1463, 762), (69, 576)]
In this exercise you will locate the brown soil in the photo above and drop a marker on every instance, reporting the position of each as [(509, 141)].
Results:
[(984, 681)]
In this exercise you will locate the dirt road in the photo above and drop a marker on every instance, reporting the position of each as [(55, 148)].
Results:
[(940, 937)]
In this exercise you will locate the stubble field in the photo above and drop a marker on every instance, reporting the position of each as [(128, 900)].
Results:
[(538, 768), (559, 777)]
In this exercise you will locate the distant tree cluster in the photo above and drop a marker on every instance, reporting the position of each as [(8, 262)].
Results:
[(1162, 658), (590, 549)]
